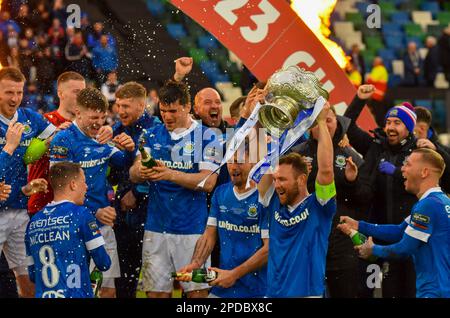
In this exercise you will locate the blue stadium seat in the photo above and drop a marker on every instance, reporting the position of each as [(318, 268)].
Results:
[(427, 103), (219, 77), (209, 67), (155, 7), (439, 113), (176, 30), (207, 42), (392, 28), (394, 80), (394, 42), (387, 54), (400, 17), (362, 7), (433, 7)]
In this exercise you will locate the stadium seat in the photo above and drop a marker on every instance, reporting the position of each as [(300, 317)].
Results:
[(343, 28), (357, 18), (400, 17), (374, 43), (392, 29), (440, 81), (435, 30), (394, 41), (432, 7), (398, 68), (176, 30), (198, 55), (443, 18), (155, 7), (439, 113), (344, 6), (423, 18), (394, 80), (427, 103), (207, 42), (387, 55), (187, 43), (362, 7), (413, 29)]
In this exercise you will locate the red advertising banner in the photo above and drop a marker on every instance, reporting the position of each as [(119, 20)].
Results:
[(267, 35)]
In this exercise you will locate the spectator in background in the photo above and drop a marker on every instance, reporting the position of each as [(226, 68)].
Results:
[(378, 77), (153, 103), (85, 26), (31, 98), (56, 28), (444, 52), (6, 21), (26, 58), (23, 18), (413, 66), (353, 74), (4, 50), (45, 71), (358, 61), (77, 55), (94, 37), (13, 58), (59, 12), (431, 62), (40, 17), (13, 37), (29, 36), (70, 34), (235, 108), (104, 59), (110, 87)]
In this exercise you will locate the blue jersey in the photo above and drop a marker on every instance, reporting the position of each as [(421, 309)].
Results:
[(430, 223), (73, 145), (12, 168), (241, 226), (173, 208), (59, 240), (298, 245)]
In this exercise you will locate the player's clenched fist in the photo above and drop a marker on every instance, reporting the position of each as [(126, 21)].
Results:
[(13, 136), (35, 186), (5, 190), (123, 141), (106, 215)]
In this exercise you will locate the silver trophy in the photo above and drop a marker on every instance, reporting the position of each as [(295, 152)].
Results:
[(290, 91)]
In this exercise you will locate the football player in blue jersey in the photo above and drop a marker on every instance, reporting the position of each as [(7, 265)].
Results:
[(131, 199), (299, 222), (177, 211), (236, 220), (425, 234), (78, 144), (61, 239), (18, 126)]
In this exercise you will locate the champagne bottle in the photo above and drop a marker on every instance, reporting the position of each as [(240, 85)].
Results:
[(96, 281), (359, 239), (146, 159), (198, 275)]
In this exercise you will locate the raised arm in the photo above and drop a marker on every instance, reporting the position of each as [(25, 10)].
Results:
[(325, 173)]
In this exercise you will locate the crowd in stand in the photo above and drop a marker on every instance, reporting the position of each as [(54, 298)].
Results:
[(38, 40)]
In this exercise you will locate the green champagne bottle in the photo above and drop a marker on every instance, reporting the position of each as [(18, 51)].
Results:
[(198, 275), (96, 281), (146, 159), (359, 239)]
